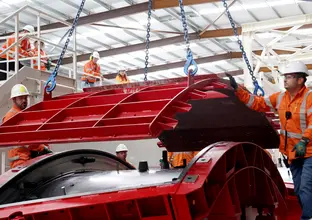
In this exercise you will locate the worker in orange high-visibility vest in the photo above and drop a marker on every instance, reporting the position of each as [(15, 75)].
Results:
[(91, 68), (19, 155), (122, 77), (180, 159), (42, 53), (294, 107), (24, 50)]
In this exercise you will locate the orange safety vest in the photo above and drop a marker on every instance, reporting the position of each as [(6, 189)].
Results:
[(176, 158), (23, 50), (92, 69), (122, 79), (13, 111), (19, 155), (35, 61), (300, 123)]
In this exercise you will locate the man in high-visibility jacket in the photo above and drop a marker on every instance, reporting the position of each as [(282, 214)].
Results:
[(122, 77), (180, 159), (24, 50), (19, 155), (294, 107), (91, 68), (42, 53)]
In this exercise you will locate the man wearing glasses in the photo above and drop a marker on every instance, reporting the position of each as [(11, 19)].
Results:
[(294, 107)]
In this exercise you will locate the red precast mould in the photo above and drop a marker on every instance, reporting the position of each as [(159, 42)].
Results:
[(220, 182), (106, 114), (225, 177)]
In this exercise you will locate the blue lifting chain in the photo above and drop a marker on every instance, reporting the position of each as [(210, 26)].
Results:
[(189, 55), (148, 38), (254, 80), (50, 88)]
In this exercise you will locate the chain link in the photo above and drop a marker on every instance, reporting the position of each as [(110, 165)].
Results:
[(185, 28), (59, 61), (148, 38), (251, 72), (189, 55)]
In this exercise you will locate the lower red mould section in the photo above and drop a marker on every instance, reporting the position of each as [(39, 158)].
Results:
[(220, 183)]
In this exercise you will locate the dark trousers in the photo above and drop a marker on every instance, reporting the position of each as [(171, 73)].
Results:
[(301, 170), (3, 66)]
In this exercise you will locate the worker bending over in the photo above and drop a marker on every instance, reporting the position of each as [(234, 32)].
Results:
[(44, 61), (24, 50), (19, 155), (180, 159), (122, 77), (91, 69), (295, 112)]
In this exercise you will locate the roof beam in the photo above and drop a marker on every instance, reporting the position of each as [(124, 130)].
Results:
[(265, 69), (132, 48), (97, 17), (226, 32), (226, 56), (158, 4), (88, 19), (153, 44), (202, 60)]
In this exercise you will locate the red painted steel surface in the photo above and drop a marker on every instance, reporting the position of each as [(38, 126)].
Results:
[(138, 111), (219, 183), (105, 115)]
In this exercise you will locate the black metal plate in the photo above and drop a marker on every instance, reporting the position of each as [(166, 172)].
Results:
[(214, 120)]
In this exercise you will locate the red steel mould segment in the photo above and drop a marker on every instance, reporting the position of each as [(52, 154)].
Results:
[(104, 115)]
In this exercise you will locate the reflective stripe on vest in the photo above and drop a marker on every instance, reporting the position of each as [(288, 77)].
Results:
[(250, 101), (303, 117), (303, 112), (291, 134), (309, 112), (279, 99), (12, 159), (11, 55), (268, 103)]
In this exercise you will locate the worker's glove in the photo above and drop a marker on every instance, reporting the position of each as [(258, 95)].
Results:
[(233, 82), (34, 154), (48, 64), (46, 151), (301, 147)]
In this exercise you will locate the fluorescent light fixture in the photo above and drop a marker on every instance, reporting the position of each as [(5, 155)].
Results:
[(235, 8)]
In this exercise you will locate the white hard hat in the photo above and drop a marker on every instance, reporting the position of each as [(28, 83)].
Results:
[(19, 90), (96, 54), (29, 28), (294, 67), (121, 147)]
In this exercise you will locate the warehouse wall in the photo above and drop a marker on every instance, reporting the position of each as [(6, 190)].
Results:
[(138, 150)]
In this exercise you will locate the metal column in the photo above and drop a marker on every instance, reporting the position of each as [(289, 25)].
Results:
[(247, 43), (17, 45), (38, 42)]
